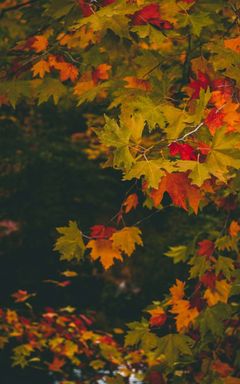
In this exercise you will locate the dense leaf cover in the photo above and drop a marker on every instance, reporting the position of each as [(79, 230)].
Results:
[(166, 75)]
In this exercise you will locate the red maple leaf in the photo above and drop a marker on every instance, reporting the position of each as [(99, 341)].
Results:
[(102, 232), (179, 188), (214, 120), (150, 14), (206, 248), (185, 151), (209, 280), (202, 82)]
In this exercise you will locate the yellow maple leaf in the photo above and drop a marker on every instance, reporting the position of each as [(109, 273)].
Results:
[(126, 239), (219, 293), (40, 68), (40, 43), (103, 249)]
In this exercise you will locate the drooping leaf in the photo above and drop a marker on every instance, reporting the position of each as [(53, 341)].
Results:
[(70, 244)]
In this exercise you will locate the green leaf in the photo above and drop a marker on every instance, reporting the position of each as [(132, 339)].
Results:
[(15, 90), (200, 265), (50, 88), (224, 265), (176, 120), (199, 171), (223, 154), (70, 244), (178, 253), (174, 345), (113, 135), (211, 320), (140, 334), (152, 170)]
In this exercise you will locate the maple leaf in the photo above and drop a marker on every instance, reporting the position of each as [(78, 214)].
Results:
[(101, 72), (126, 239), (70, 243), (219, 293), (177, 291), (185, 314), (179, 188), (56, 364), (67, 71), (158, 317), (40, 68), (134, 82), (178, 253), (131, 202), (102, 232), (214, 120), (185, 151), (50, 87), (103, 249), (209, 279), (206, 248), (223, 153), (40, 43), (223, 369), (150, 14), (21, 296), (202, 82), (174, 345), (233, 44), (234, 228)]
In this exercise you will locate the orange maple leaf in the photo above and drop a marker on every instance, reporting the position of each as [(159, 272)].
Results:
[(158, 317), (101, 72), (177, 291), (185, 314), (67, 71), (131, 202), (56, 364), (103, 249), (40, 68), (233, 44), (179, 188), (234, 228), (223, 369), (134, 82), (40, 43), (21, 296)]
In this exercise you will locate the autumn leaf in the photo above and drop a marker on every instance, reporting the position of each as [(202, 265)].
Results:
[(69, 273), (185, 151), (202, 82), (131, 202), (103, 249), (102, 232), (150, 14), (234, 228), (56, 364), (21, 296), (134, 82), (177, 291), (126, 239), (40, 43), (219, 294), (41, 68), (179, 188), (70, 244), (101, 72), (223, 369), (206, 248), (158, 317), (233, 44)]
